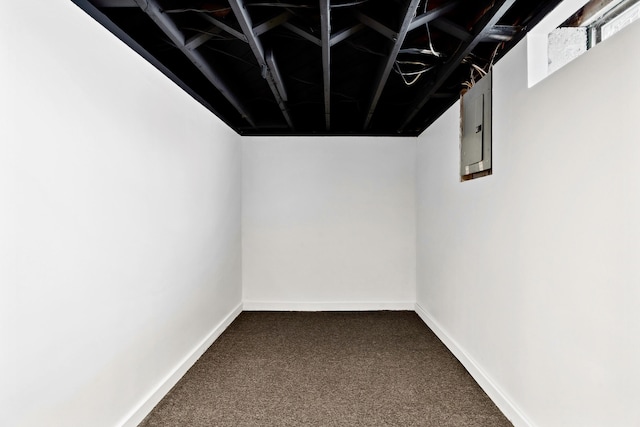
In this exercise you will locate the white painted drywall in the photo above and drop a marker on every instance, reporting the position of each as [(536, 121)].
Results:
[(119, 222), (328, 223), (533, 271)]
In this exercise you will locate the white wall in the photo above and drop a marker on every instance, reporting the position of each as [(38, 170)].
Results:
[(328, 223), (532, 274), (119, 223)]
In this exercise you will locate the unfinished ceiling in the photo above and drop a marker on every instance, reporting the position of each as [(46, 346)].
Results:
[(322, 67)]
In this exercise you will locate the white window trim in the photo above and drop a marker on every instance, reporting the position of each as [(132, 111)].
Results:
[(537, 39)]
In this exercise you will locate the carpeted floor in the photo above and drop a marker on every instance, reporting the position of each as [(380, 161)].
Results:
[(327, 369)]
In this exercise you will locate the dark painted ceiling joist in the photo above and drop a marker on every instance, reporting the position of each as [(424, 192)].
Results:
[(164, 22), (501, 33), (223, 26), (453, 29), (302, 33), (376, 26), (481, 30), (200, 39), (221, 53), (272, 77), (388, 62), (325, 33), (433, 14), (344, 34), (409, 22), (272, 23)]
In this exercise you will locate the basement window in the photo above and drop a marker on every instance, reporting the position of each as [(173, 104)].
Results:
[(573, 28), (595, 22)]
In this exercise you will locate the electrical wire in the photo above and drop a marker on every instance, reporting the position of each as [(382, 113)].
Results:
[(223, 9), (411, 77), (479, 70), (493, 56), (415, 75), (474, 68), (306, 82), (435, 52), (426, 67), (417, 50)]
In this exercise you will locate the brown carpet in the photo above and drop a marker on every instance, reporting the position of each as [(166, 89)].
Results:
[(327, 369)]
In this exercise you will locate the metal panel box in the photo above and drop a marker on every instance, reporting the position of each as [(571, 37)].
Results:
[(475, 132)]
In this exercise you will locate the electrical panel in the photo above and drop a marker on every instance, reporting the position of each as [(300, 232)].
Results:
[(475, 133)]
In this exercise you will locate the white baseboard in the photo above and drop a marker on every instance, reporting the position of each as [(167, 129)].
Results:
[(136, 416), (326, 306), (508, 408)]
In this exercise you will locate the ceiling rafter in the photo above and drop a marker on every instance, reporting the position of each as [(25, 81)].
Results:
[(334, 39), (375, 25), (482, 28), (325, 30), (164, 22), (275, 68), (453, 29), (408, 23), (272, 23), (502, 33), (344, 34), (235, 33), (272, 77), (433, 14), (302, 33), (271, 62), (200, 39)]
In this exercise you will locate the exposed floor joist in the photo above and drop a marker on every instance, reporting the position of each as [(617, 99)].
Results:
[(302, 33), (376, 26), (272, 77), (482, 29), (432, 15), (284, 68), (342, 35), (272, 23), (453, 29), (229, 29), (164, 22), (200, 39), (325, 32), (408, 23)]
